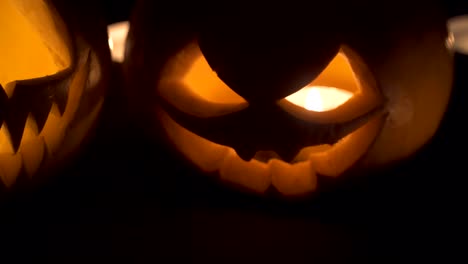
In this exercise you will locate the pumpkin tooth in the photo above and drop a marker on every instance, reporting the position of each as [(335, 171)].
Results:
[(253, 175), (53, 131), (10, 168), (34, 96), (5, 143), (293, 179), (31, 147), (26, 99)]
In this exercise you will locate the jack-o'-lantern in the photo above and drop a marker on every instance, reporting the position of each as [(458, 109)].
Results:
[(53, 72), (267, 101)]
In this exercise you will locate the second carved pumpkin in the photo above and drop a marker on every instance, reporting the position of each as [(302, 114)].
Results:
[(269, 103)]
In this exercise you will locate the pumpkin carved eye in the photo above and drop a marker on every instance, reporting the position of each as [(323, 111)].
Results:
[(319, 98), (200, 101), (344, 90), (202, 80), (331, 89), (193, 87)]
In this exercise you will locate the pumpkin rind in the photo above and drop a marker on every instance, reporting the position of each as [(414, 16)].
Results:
[(391, 55)]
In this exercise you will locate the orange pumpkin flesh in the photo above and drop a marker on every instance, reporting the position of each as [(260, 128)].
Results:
[(390, 69), (417, 94), (189, 84), (256, 175), (51, 88)]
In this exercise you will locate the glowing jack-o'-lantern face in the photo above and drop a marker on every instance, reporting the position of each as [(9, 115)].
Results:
[(273, 109), (268, 142), (51, 86)]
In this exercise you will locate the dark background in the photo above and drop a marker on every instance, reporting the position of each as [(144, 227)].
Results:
[(127, 196)]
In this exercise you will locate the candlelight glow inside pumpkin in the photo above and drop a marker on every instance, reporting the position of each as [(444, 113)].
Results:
[(236, 93), (31, 45), (48, 83), (319, 98), (190, 88)]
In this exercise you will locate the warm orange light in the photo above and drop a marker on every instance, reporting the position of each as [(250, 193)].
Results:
[(34, 143), (193, 87), (30, 45), (202, 80), (290, 179), (319, 98), (332, 88), (33, 45)]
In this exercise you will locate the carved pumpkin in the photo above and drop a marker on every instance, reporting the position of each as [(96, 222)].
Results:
[(52, 79), (244, 96)]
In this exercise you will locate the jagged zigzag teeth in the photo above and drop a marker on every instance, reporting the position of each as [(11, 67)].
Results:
[(5, 143), (55, 128), (27, 99), (31, 152), (32, 147), (36, 96), (52, 134), (10, 168)]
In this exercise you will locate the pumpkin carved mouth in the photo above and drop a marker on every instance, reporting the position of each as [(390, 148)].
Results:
[(256, 175), (36, 114), (212, 125), (44, 89)]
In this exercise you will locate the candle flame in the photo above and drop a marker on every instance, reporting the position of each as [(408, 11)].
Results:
[(319, 98), (313, 101), (111, 44)]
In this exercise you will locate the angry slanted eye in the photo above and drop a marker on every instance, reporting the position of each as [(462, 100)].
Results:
[(192, 86), (202, 80), (332, 88)]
